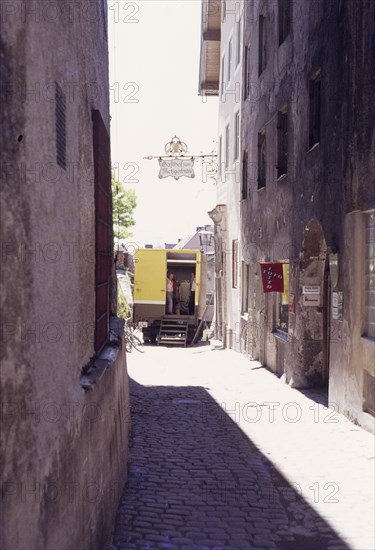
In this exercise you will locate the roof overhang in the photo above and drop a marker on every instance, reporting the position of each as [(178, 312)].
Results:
[(209, 68)]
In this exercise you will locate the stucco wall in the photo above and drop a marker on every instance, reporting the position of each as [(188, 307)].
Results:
[(47, 283), (327, 183)]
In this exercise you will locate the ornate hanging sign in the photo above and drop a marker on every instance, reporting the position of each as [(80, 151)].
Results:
[(176, 168), (178, 163)]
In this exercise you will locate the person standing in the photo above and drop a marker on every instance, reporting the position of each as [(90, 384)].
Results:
[(169, 298), (192, 295)]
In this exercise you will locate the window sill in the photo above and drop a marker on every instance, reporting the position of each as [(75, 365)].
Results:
[(282, 178), (368, 339), (280, 335), (245, 316), (107, 356)]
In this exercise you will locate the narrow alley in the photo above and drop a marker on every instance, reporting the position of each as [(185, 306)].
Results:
[(225, 456)]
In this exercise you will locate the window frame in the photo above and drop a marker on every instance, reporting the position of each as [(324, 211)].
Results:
[(229, 60), (282, 142), (245, 286), (262, 44), (245, 173), (234, 263), (369, 276), (262, 171), (278, 302), (284, 19), (222, 81), (238, 37), (247, 72), (227, 145), (237, 125), (315, 100)]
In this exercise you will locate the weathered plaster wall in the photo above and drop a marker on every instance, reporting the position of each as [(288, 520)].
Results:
[(228, 182), (47, 286), (328, 182)]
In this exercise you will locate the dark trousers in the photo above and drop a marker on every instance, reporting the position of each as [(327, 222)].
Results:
[(192, 303)]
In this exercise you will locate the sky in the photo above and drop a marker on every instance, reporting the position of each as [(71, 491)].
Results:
[(154, 49)]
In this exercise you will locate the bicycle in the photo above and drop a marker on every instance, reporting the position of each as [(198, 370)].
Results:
[(131, 340)]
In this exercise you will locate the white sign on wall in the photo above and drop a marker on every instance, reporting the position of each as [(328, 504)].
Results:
[(311, 289), (311, 300)]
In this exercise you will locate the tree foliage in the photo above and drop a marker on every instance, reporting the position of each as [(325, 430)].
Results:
[(124, 202)]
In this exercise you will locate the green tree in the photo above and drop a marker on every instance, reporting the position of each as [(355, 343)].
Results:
[(124, 202)]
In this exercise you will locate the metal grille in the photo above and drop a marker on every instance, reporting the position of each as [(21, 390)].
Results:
[(103, 228), (60, 125)]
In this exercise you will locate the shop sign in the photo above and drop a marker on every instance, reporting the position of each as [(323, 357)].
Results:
[(176, 168), (311, 289), (272, 276)]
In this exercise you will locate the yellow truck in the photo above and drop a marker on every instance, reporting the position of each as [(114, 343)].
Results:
[(151, 266)]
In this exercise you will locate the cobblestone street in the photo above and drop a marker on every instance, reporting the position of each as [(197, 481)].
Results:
[(226, 456)]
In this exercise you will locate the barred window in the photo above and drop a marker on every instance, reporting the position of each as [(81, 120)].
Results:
[(60, 126)]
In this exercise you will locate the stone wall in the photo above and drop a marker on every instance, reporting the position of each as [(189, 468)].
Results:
[(59, 442), (325, 185)]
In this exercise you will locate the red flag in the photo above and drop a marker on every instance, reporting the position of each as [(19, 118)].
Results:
[(272, 277)]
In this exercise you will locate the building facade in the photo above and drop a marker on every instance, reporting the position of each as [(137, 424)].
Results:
[(65, 404), (307, 196), (222, 48)]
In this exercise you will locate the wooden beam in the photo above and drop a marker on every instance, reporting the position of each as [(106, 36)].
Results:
[(212, 35)]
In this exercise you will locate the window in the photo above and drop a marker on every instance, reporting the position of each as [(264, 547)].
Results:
[(223, 75), (245, 288), (285, 15), (314, 111), (368, 393), (235, 263), (237, 130), (282, 143), (227, 144), (282, 303), (238, 49), (60, 126), (244, 175), (229, 73), (224, 10), (370, 275), (220, 154), (247, 86), (262, 44), (103, 229), (261, 159)]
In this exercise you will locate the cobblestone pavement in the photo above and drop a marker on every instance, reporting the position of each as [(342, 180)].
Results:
[(226, 456)]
